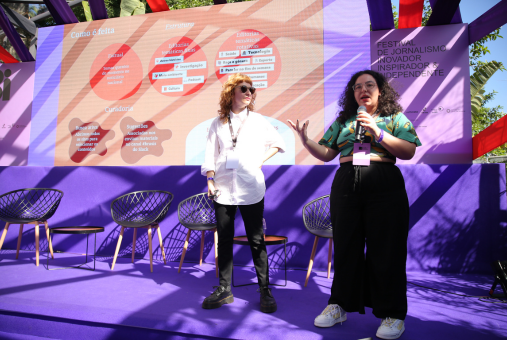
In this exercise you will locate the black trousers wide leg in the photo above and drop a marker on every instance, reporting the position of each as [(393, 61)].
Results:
[(375, 213), (252, 217)]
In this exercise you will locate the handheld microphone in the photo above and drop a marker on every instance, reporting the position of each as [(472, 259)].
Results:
[(360, 130)]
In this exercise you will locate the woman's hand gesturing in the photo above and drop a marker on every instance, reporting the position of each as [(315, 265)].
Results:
[(301, 131), (368, 122)]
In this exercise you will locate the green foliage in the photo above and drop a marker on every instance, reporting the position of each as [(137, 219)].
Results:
[(35, 10), (478, 81), (87, 11), (479, 49), (114, 9), (426, 12), (132, 7), (181, 4), (395, 17), (114, 6), (79, 12), (482, 116), (487, 116)]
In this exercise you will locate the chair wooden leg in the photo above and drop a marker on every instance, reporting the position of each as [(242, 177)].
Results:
[(185, 246), (4, 233), (134, 244), (202, 247), (161, 243), (310, 265), (329, 257), (216, 250), (50, 245), (19, 240), (117, 247), (37, 244), (150, 247)]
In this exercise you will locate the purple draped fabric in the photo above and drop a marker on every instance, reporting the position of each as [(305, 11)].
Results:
[(98, 9), (381, 14), (444, 12), (61, 12), (494, 18)]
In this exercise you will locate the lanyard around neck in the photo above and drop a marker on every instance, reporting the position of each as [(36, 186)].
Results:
[(235, 139)]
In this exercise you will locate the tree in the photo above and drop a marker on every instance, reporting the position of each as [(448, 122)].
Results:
[(478, 81), (114, 6), (479, 49), (483, 116)]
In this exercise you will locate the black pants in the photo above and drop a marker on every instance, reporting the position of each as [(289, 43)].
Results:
[(252, 216), (370, 205)]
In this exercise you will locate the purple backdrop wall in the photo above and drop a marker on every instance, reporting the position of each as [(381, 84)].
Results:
[(458, 212)]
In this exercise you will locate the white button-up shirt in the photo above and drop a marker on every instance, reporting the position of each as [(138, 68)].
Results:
[(244, 185)]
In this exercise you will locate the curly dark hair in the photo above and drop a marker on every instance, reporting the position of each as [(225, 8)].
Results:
[(387, 102)]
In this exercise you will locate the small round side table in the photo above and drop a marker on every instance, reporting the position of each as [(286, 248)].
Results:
[(270, 240), (78, 230)]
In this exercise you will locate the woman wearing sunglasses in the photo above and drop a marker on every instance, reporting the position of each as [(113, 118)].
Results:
[(369, 203), (239, 142)]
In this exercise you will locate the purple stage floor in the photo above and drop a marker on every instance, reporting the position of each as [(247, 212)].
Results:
[(132, 302)]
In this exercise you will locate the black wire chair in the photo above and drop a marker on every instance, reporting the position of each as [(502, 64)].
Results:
[(141, 209), (317, 220), (29, 206), (197, 213)]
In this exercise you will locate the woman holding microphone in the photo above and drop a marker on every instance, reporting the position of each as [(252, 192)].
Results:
[(369, 203), (239, 142)]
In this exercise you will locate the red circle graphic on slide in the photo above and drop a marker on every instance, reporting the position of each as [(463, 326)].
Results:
[(178, 67), (116, 73), (252, 53)]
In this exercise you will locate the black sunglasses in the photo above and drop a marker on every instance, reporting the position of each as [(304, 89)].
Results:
[(244, 88)]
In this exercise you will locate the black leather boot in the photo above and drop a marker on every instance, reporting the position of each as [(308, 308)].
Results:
[(268, 303), (219, 297)]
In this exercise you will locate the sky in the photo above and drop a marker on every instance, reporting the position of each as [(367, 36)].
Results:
[(471, 10)]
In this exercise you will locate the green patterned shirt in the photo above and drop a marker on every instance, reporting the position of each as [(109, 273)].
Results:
[(341, 136)]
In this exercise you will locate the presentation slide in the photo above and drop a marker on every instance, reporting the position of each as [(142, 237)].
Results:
[(143, 90)]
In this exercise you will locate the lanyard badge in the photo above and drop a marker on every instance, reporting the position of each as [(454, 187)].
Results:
[(232, 161), (361, 154), (362, 150)]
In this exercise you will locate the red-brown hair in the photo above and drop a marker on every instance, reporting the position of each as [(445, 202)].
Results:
[(227, 95)]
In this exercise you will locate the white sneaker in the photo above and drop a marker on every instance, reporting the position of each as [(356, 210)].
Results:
[(330, 316), (391, 328)]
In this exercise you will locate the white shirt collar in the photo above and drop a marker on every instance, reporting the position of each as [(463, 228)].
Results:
[(241, 115)]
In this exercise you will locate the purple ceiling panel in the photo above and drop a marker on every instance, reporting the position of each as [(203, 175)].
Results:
[(98, 9), (14, 38), (61, 12), (494, 18), (381, 14), (443, 12)]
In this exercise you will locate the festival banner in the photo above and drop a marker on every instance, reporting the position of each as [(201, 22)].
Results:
[(428, 66)]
